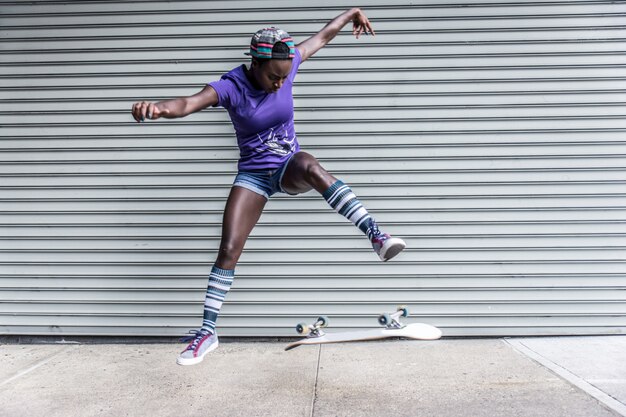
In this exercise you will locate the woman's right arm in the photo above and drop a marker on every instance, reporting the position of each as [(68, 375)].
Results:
[(179, 107)]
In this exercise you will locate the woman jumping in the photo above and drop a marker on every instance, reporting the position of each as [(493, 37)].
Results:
[(259, 101)]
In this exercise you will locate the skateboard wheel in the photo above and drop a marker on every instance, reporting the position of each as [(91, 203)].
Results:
[(323, 321), (302, 328), (384, 319), (404, 310)]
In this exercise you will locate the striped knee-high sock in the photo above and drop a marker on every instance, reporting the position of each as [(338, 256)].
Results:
[(220, 281), (344, 201)]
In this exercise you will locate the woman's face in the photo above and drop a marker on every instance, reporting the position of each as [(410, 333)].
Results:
[(271, 75)]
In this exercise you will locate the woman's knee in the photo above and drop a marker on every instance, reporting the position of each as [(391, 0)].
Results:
[(315, 172), (312, 171), (228, 255)]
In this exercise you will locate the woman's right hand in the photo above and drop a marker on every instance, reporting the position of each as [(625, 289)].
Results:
[(146, 110)]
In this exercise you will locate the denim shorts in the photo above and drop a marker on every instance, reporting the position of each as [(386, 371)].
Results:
[(265, 182)]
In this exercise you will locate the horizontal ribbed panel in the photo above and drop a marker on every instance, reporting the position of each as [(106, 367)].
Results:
[(488, 134)]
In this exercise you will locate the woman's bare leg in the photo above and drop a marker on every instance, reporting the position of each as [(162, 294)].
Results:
[(242, 212), (243, 209)]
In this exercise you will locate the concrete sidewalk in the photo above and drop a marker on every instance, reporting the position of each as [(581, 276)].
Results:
[(448, 377)]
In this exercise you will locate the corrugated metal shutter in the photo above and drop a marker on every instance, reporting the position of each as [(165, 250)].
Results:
[(489, 134)]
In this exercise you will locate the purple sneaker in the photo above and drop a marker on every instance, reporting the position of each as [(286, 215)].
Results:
[(387, 247), (202, 342)]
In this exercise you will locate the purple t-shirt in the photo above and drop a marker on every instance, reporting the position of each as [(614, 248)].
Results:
[(263, 122)]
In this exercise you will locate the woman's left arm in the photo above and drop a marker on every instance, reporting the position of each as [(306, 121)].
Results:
[(360, 25)]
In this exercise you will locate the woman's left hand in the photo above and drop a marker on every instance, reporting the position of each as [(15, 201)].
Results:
[(361, 24)]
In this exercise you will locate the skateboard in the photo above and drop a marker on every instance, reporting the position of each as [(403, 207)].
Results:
[(392, 328)]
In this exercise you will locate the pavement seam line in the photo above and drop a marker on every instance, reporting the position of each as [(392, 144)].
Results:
[(317, 373), (33, 367), (589, 389)]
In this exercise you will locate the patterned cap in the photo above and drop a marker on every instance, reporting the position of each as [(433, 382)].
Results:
[(264, 40)]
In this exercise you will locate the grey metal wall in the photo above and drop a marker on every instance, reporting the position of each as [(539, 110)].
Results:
[(490, 135)]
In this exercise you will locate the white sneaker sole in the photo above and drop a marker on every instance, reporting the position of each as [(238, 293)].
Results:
[(391, 248), (197, 359)]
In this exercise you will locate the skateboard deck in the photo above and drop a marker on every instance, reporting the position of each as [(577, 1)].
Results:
[(392, 328), (418, 331)]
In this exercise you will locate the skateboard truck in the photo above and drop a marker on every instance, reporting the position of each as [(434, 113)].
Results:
[(392, 321), (315, 329)]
